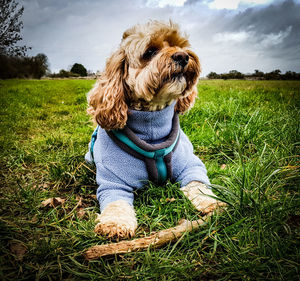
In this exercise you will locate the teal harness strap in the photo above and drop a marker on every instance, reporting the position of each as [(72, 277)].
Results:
[(157, 156), (93, 140)]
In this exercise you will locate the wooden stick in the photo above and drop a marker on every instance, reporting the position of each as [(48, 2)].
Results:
[(155, 240)]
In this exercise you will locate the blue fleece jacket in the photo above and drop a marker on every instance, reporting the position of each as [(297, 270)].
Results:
[(118, 173)]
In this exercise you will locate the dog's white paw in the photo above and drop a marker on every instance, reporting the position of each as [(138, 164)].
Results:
[(200, 196), (117, 220)]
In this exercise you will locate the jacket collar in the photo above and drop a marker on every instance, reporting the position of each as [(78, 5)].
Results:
[(151, 126)]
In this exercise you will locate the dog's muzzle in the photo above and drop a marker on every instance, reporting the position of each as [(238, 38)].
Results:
[(181, 58)]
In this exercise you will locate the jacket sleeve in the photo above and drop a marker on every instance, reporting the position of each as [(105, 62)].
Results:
[(111, 188), (118, 174), (187, 166)]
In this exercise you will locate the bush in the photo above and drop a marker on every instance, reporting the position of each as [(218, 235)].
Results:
[(64, 74), (79, 69)]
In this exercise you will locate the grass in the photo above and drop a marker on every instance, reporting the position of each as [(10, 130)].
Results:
[(246, 132)]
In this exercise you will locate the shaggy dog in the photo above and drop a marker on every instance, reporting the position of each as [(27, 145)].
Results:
[(146, 82)]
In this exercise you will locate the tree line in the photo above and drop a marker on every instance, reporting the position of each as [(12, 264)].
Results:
[(23, 67), (35, 67), (257, 75), (14, 63)]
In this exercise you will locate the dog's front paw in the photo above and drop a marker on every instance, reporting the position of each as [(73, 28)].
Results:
[(201, 197), (117, 220)]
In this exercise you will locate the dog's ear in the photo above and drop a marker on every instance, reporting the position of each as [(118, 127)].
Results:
[(107, 99), (187, 102)]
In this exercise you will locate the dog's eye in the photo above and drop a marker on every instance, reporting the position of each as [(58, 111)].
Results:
[(150, 52)]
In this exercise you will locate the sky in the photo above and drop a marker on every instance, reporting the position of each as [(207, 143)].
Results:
[(241, 35)]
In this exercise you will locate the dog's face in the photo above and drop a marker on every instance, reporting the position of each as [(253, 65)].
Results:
[(161, 68), (152, 68)]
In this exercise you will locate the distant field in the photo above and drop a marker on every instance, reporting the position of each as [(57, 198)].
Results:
[(246, 132)]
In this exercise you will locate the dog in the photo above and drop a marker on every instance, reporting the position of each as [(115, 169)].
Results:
[(147, 82)]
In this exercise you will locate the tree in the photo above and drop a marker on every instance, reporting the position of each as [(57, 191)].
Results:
[(10, 28), (234, 74), (41, 65), (213, 75), (258, 73), (291, 75), (79, 69), (273, 75)]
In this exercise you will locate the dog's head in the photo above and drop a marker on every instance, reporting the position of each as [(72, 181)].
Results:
[(152, 68)]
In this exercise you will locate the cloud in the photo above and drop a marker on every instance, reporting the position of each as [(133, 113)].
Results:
[(276, 38), (253, 36), (234, 37), (164, 3), (224, 4), (274, 29), (81, 31), (234, 4)]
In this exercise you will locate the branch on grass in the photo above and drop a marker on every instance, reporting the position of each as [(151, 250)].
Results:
[(155, 240)]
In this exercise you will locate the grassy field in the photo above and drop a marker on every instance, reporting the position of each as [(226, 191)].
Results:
[(246, 132)]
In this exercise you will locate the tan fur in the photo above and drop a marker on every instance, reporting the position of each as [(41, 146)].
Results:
[(202, 197), (129, 80), (117, 220), (107, 99)]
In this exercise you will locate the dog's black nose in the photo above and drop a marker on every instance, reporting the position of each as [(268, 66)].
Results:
[(181, 58)]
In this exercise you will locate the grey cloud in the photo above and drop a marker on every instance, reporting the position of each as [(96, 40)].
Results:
[(271, 22), (88, 31), (265, 37), (272, 18), (83, 31), (192, 2)]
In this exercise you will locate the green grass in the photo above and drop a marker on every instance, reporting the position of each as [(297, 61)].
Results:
[(246, 132)]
